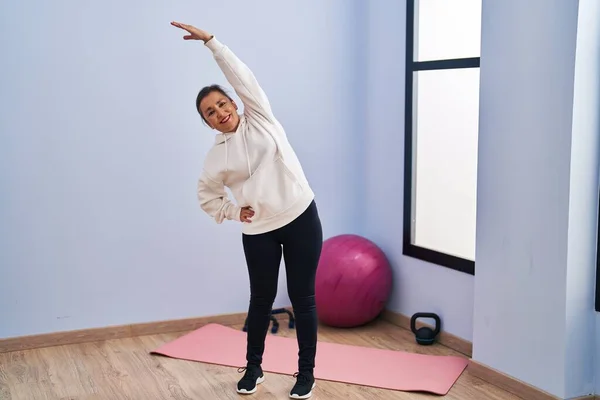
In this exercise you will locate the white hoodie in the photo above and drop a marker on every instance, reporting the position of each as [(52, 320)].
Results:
[(257, 163)]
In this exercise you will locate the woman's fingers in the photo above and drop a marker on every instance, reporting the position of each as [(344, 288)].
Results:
[(246, 214), (185, 27), (194, 33), (179, 25)]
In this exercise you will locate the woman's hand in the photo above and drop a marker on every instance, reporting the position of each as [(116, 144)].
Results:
[(246, 214), (194, 33)]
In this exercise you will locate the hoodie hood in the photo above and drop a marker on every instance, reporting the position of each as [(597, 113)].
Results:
[(224, 138)]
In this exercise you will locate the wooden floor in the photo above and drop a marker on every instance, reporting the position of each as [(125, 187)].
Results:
[(123, 370)]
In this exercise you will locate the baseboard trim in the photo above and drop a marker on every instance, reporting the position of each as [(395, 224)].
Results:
[(447, 339), (115, 332), (513, 385)]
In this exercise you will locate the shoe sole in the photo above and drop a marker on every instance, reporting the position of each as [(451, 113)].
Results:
[(258, 382), (306, 396)]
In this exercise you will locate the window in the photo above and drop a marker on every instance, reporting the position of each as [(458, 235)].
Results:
[(441, 131)]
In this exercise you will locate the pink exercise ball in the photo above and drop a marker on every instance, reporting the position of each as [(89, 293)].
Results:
[(353, 283)]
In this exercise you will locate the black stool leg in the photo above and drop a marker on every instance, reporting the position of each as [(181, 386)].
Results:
[(275, 327)]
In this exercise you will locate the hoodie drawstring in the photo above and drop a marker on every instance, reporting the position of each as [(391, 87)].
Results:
[(247, 155), (226, 156)]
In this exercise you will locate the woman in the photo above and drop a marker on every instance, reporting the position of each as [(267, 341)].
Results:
[(275, 204)]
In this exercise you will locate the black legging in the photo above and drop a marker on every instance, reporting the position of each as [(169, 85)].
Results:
[(301, 240)]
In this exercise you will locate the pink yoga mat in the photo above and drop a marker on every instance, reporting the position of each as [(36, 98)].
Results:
[(387, 369)]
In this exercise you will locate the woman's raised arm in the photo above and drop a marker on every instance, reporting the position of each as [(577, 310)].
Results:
[(237, 73)]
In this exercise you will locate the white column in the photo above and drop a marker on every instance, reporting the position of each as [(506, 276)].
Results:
[(537, 192)]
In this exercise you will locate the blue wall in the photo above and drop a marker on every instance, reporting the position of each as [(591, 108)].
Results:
[(100, 149)]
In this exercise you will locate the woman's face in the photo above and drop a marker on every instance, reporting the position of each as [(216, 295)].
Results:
[(220, 112)]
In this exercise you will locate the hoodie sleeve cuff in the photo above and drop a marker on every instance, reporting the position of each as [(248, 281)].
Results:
[(214, 45), (234, 213)]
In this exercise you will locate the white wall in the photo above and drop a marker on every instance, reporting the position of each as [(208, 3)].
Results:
[(589, 108), (100, 149), (418, 286), (583, 205), (589, 28), (537, 193)]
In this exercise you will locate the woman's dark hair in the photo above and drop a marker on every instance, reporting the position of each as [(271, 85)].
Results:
[(205, 92)]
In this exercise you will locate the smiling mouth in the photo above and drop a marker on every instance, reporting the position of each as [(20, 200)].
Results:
[(226, 119)]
